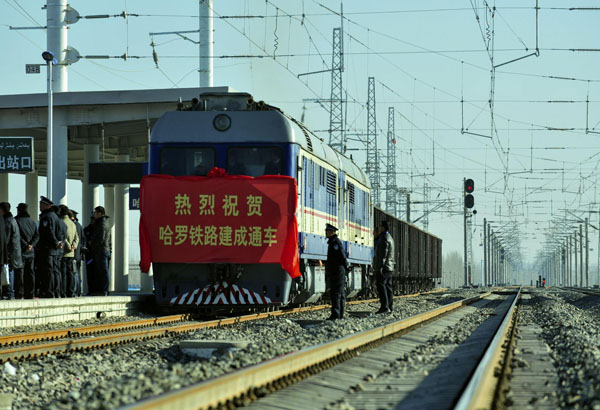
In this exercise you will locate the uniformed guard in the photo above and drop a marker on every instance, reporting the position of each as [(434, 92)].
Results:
[(335, 272), (383, 267), (50, 246)]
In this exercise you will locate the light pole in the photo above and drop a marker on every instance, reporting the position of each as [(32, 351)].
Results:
[(48, 56)]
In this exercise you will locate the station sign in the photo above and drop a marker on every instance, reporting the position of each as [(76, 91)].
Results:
[(134, 199), (16, 154), (32, 68)]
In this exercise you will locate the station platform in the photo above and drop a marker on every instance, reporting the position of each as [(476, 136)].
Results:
[(25, 312)]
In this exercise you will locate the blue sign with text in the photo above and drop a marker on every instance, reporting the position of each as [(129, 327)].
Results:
[(134, 199)]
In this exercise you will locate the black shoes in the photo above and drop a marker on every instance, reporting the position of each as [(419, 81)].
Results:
[(333, 318), (380, 311)]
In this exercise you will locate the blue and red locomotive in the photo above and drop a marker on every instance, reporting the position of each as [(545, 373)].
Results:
[(245, 137)]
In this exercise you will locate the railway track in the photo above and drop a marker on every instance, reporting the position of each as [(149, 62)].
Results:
[(330, 371), (347, 367), (585, 291), (30, 345)]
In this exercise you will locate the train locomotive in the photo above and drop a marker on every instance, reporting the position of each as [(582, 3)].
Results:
[(234, 132)]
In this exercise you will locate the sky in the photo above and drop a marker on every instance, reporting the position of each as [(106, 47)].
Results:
[(533, 163)]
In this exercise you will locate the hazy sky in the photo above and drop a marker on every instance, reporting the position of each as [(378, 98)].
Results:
[(426, 57)]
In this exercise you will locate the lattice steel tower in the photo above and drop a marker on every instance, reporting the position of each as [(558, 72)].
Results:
[(372, 155), (391, 196), (337, 138), (426, 192)]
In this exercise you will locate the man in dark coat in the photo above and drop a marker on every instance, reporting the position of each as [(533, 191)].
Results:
[(88, 233), (25, 277), (383, 267), (78, 251), (50, 246), (100, 246), (15, 259), (335, 272), (3, 250)]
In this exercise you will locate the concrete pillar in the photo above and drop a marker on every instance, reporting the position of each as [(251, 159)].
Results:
[(32, 198), (59, 160), (206, 43), (56, 41), (3, 187), (90, 192), (109, 206), (485, 279), (581, 267), (121, 233)]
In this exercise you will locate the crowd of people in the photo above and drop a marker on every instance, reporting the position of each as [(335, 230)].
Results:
[(45, 259)]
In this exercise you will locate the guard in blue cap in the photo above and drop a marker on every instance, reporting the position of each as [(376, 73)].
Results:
[(335, 272)]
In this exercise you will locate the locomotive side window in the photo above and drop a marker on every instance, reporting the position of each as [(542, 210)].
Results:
[(255, 161), (179, 161), (331, 191)]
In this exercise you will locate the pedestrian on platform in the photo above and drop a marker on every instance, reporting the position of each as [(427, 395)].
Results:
[(49, 247), (25, 278), (100, 246), (383, 267), (88, 233), (15, 259), (78, 251), (335, 272), (3, 245), (67, 266), (59, 282)]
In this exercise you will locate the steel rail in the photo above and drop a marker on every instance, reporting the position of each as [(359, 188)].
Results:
[(585, 291), (19, 338), (75, 342), (482, 389), (294, 366)]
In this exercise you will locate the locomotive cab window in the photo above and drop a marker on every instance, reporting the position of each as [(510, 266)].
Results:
[(255, 161), (179, 161)]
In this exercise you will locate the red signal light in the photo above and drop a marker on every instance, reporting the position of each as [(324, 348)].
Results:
[(469, 186)]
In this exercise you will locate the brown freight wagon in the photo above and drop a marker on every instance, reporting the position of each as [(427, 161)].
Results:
[(418, 255)]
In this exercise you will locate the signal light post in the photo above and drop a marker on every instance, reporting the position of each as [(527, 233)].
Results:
[(468, 202)]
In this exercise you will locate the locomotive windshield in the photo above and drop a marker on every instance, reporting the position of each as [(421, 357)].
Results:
[(254, 161), (179, 161)]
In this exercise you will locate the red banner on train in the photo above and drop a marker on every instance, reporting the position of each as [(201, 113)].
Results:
[(223, 219)]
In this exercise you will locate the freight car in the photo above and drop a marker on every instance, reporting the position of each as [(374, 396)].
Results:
[(418, 255), (235, 133)]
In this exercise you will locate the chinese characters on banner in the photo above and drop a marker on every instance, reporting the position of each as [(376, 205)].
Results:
[(228, 219), (16, 154)]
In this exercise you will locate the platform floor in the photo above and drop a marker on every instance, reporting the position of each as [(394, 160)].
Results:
[(39, 311)]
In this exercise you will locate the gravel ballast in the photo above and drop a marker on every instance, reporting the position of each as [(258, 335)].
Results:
[(110, 378), (573, 336)]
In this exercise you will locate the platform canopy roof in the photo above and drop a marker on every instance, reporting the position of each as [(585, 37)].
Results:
[(118, 121)]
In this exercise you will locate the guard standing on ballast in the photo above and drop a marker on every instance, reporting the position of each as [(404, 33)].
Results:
[(335, 272), (383, 267)]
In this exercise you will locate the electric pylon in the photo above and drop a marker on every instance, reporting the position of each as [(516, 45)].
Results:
[(337, 138), (372, 154), (391, 196)]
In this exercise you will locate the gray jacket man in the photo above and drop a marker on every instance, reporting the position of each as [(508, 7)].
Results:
[(68, 279), (383, 267)]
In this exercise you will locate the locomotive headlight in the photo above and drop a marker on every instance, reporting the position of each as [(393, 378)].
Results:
[(222, 122)]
